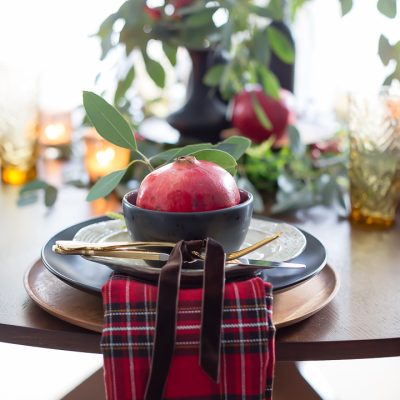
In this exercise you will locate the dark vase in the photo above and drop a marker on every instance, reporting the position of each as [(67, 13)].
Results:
[(203, 116)]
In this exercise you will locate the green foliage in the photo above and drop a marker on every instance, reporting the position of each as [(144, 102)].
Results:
[(346, 6), (295, 178), (280, 45), (223, 159), (387, 8), (108, 122), (193, 27), (28, 193), (388, 52), (105, 185), (114, 128)]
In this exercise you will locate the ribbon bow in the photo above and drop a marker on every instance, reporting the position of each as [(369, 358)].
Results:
[(166, 315)]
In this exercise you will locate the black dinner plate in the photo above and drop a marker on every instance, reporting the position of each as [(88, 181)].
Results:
[(91, 276)]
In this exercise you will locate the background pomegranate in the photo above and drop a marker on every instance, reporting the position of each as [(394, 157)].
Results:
[(188, 185), (245, 119)]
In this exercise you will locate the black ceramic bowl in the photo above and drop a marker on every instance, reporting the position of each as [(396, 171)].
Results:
[(228, 226)]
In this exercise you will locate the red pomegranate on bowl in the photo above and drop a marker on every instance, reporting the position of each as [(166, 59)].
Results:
[(188, 185), (245, 118), (189, 199)]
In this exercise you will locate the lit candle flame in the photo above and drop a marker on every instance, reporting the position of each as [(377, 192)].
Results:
[(55, 131), (104, 157)]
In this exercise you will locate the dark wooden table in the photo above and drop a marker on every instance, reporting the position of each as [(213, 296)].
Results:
[(362, 321)]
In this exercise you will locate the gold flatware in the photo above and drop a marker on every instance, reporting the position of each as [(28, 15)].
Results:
[(240, 253), (133, 254), (135, 249), (76, 245)]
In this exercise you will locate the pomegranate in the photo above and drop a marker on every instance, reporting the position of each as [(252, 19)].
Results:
[(188, 185), (245, 119)]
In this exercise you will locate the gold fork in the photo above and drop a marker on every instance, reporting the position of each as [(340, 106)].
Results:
[(115, 248), (240, 253)]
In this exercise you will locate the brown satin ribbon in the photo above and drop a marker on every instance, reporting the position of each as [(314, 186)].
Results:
[(167, 310)]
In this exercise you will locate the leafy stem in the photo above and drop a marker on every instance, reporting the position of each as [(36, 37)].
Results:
[(113, 127)]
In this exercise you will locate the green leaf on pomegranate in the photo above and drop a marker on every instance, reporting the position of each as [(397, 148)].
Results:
[(236, 146), (387, 8), (109, 123), (169, 155), (222, 158), (280, 45), (105, 185)]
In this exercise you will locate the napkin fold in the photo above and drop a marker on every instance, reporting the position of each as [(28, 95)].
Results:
[(134, 366)]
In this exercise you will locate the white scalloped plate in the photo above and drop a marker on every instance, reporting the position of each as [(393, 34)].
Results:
[(289, 245)]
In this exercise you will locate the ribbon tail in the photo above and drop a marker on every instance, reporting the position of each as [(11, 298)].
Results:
[(166, 318), (212, 309)]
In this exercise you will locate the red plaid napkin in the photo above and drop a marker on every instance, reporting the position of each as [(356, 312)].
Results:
[(247, 342)]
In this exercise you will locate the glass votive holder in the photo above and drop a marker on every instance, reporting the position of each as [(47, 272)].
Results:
[(55, 134), (374, 126), (18, 125), (102, 157)]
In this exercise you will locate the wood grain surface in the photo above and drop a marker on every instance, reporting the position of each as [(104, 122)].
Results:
[(363, 320)]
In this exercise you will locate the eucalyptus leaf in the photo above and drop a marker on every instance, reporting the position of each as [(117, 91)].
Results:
[(214, 75), (296, 145), (395, 75), (105, 185), (385, 50), (155, 70), (169, 155), (260, 113), (269, 82), (170, 51), (260, 49), (28, 193), (346, 6), (261, 11), (219, 157), (124, 84), (27, 199), (295, 6), (109, 123), (258, 203), (34, 185), (201, 17), (280, 45), (292, 201), (275, 7), (50, 195), (387, 8), (105, 34), (236, 146), (192, 8)]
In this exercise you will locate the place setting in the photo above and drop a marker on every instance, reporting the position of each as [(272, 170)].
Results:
[(77, 262)]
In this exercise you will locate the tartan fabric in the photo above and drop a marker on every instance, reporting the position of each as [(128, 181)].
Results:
[(247, 348)]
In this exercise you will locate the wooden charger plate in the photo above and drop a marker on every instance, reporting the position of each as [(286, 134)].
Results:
[(85, 310)]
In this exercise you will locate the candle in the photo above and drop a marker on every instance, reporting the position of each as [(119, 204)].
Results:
[(55, 129), (102, 157)]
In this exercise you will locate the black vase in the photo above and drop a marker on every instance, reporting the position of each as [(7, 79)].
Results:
[(203, 116)]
